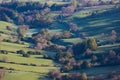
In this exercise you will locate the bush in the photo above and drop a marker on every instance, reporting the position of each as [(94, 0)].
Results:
[(66, 68), (20, 52), (11, 69), (4, 51), (33, 53), (45, 56), (6, 40), (12, 62), (25, 55), (9, 28), (86, 64), (33, 64), (24, 64)]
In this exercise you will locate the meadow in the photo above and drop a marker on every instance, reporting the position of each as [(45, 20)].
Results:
[(16, 62), (36, 67)]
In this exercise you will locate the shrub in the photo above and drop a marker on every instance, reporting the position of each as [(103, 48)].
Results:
[(25, 55), (45, 56), (9, 28), (30, 52), (20, 52), (55, 74), (4, 51), (12, 62), (34, 53), (24, 64), (11, 69), (66, 68), (86, 64), (33, 64)]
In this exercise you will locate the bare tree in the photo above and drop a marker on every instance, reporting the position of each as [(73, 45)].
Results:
[(113, 36), (55, 74), (113, 39), (84, 76), (5, 59), (2, 73), (114, 32), (88, 51)]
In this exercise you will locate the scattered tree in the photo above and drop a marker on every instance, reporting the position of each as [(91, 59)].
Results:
[(83, 76), (2, 73), (5, 59)]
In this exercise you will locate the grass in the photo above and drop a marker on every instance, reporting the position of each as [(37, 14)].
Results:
[(72, 40), (23, 72), (12, 46), (6, 34), (4, 24), (27, 68), (59, 3), (106, 48), (37, 59), (52, 14), (100, 70), (44, 1), (93, 26), (103, 23), (88, 10), (20, 75)]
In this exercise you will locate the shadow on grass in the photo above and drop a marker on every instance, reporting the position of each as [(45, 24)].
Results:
[(100, 23)]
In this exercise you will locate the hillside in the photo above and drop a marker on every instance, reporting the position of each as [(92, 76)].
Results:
[(94, 26), (17, 66), (62, 41), (5, 33)]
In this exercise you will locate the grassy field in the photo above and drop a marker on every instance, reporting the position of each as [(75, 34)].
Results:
[(4, 24), (20, 75), (72, 40), (100, 70), (93, 26), (16, 61), (23, 72), (27, 68), (98, 24), (7, 33), (14, 47), (34, 59), (42, 1)]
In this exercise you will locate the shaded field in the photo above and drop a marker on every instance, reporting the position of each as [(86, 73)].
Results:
[(100, 70), (101, 23), (21, 75), (21, 68)]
